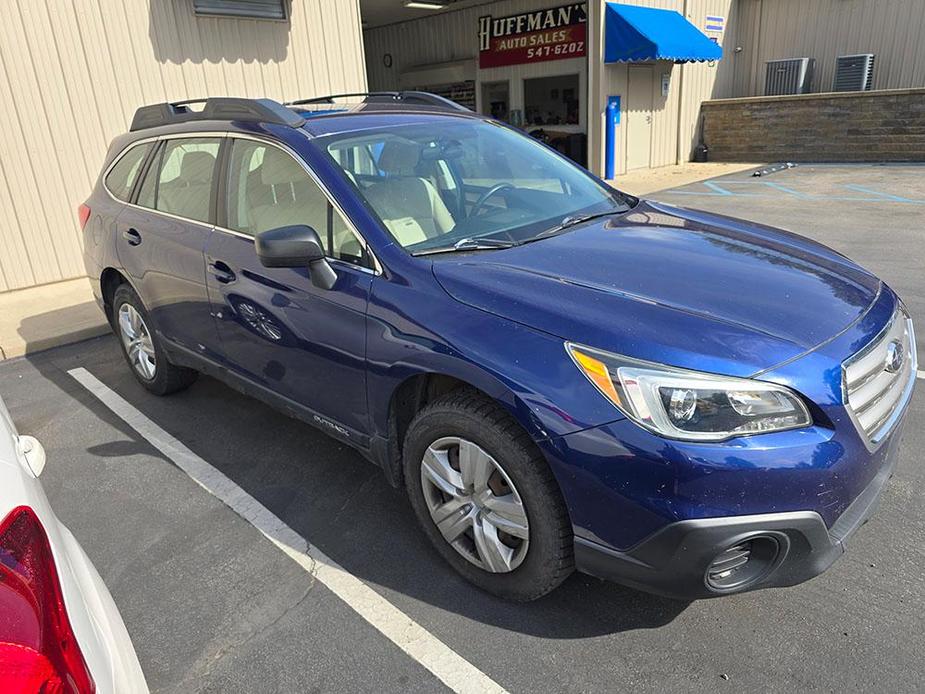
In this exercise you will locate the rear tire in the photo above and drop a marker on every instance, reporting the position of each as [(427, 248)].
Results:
[(142, 348), (513, 538)]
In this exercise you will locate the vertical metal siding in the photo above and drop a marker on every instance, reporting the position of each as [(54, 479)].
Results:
[(826, 29), (452, 36), (690, 84), (72, 73), (444, 37)]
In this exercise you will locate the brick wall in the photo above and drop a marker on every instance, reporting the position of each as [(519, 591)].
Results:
[(858, 126)]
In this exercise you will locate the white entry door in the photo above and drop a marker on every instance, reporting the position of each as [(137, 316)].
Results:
[(639, 117)]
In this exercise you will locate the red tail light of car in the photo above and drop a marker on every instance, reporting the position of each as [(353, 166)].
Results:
[(38, 649), (83, 214)]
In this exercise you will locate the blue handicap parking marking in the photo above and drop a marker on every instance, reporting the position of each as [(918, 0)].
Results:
[(771, 189), (717, 187), (886, 196), (785, 189)]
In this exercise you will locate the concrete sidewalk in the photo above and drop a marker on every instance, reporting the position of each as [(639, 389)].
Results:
[(48, 316), (646, 181)]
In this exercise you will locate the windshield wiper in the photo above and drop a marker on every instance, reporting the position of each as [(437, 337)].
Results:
[(469, 244), (570, 221)]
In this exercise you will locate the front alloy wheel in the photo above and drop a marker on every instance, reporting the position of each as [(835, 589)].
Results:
[(485, 496), (474, 504), (137, 340)]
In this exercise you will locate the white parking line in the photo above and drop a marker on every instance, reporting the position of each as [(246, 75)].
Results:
[(448, 666)]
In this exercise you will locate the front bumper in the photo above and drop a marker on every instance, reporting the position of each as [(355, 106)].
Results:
[(676, 560), (657, 513)]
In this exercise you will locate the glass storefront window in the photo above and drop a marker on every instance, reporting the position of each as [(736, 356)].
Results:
[(552, 100), (496, 100)]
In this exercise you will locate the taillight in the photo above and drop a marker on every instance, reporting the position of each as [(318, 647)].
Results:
[(38, 649), (83, 214)]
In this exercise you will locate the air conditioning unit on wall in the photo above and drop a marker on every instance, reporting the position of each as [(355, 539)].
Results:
[(790, 76), (854, 73)]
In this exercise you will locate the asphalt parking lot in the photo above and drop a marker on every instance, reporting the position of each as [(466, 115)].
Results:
[(213, 605)]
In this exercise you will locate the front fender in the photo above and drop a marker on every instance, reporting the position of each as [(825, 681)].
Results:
[(526, 371)]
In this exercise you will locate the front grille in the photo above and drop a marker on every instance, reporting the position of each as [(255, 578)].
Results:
[(877, 387)]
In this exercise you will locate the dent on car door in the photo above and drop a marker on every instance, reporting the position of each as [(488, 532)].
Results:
[(162, 240), (278, 330)]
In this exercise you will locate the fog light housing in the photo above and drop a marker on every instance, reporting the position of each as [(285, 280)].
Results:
[(743, 564)]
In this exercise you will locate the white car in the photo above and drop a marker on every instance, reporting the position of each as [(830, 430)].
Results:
[(60, 630)]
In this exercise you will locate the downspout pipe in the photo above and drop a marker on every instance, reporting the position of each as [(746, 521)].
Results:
[(680, 101)]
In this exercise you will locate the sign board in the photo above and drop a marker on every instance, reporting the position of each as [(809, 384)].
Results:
[(715, 23), (555, 33)]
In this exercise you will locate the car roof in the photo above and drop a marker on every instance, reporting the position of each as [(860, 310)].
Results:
[(335, 121), (316, 115)]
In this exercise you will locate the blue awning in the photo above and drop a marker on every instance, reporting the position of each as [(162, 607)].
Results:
[(633, 33)]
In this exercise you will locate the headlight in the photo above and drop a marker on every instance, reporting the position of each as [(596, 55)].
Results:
[(690, 405)]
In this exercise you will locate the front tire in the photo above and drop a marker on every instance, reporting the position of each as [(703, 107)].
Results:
[(486, 498), (142, 347)]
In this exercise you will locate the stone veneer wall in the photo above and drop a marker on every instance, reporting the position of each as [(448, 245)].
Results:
[(835, 127)]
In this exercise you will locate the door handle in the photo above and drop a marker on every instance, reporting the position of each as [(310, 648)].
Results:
[(221, 272), (132, 236)]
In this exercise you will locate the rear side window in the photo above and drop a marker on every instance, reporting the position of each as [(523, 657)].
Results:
[(122, 176), (180, 181)]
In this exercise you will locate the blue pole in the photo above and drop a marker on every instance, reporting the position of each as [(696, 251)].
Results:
[(610, 144)]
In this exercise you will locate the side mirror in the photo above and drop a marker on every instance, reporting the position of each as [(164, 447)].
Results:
[(296, 246)]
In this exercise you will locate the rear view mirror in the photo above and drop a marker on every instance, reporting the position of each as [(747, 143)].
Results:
[(444, 151), (296, 246)]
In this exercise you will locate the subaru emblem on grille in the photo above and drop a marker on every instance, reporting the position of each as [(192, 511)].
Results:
[(894, 357)]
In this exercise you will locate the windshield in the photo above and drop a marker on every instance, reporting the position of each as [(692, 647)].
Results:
[(466, 184)]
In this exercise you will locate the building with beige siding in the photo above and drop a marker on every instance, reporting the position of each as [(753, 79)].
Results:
[(72, 73)]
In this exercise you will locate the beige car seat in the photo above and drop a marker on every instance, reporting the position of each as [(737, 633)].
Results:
[(291, 198), (410, 206), (189, 194)]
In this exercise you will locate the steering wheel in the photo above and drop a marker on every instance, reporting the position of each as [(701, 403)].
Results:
[(483, 198)]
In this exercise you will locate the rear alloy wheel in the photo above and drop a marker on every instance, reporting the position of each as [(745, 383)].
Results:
[(142, 348), (486, 498), (136, 339)]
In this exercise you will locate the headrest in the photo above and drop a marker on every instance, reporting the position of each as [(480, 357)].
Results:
[(399, 158), (280, 168), (196, 167)]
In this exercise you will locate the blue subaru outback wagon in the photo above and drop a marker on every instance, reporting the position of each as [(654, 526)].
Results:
[(560, 375)]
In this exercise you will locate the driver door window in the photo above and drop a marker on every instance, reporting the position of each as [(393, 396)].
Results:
[(268, 189)]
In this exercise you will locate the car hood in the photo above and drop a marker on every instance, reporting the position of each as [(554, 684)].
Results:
[(671, 285)]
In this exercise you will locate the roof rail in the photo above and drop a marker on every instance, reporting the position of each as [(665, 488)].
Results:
[(410, 98), (216, 108)]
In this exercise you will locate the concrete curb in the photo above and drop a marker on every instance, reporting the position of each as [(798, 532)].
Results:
[(47, 316), (44, 343), (643, 182)]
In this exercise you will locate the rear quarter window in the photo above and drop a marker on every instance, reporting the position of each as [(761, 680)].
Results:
[(122, 176)]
